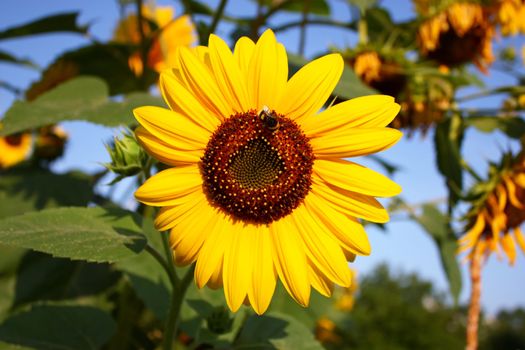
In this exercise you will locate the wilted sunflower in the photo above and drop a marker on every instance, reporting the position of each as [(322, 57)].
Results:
[(381, 73), (496, 217), (511, 16), (457, 34), (259, 189), (14, 149), (166, 38)]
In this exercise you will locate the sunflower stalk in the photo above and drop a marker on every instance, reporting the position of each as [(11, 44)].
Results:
[(475, 296), (217, 17)]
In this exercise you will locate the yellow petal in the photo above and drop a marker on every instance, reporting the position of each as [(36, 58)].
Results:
[(267, 73), (511, 189), (321, 249), (164, 152), (172, 128), (351, 203), (372, 111), (264, 275), (212, 252), (290, 260), (242, 53), (188, 236), (309, 88), (519, 238), (238, 264), (165, 187), (169, 216), (509, 247), (355, 178), (354, 142), (199, 81), (215, 281), (182, 101), (228, 75), (320, 283), (347, 230)]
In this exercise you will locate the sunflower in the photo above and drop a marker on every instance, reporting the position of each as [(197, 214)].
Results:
[(14, 149), (511, 16), (459, 34), (382, 73), (50, 142), (258, 190), (172, 33), (495, 220)]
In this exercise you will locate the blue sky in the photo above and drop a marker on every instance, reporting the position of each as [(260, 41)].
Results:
[(404, 246)]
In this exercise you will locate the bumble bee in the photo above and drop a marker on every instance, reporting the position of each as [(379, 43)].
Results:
[(269, 119)]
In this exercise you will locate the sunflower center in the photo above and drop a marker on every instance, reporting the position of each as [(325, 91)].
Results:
[(14, 140), (257, 164), (257, 168)]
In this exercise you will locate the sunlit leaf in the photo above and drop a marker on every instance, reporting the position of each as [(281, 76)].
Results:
[(91, 234), (513, 127), (316, 7), (65, 22), (84, 98), (50, 327)]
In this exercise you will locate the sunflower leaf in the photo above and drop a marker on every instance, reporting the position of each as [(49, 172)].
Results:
[(437, 225), (25, 189), (275, 331), (58, 327), (91, 234), (84, 98), (513, 127), (64, 22)]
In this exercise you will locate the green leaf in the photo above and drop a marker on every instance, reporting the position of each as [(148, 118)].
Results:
[(92, 234), (149, 280), (438, 226), (362, 5), (513, 127), (27, 189), (7, 57), (448, 138), (275, 331), (65, 22), (84, 98), (349, 85), (58, 327), (315, 7), (42, 277)]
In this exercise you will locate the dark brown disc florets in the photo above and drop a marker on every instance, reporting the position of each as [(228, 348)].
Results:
[(255, 171)]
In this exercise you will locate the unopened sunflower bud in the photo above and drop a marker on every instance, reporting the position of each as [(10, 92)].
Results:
[(127, 157)]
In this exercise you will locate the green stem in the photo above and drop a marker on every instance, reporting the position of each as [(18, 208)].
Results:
[(217, 16), (143, 43), (362, 29), (160, 259)]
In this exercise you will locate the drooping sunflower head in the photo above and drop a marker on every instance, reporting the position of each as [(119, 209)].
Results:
[(258, 190), (164, 32), (14, 149), (495, 218), (458, 34), (382, 72)]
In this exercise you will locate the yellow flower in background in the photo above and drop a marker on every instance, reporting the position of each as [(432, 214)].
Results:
[(14, 149), (459, 34), (50, 142), (259, 189), (367, 66), (498, 217), (511, 16), (326, 331), (346, 300), (172, 33)]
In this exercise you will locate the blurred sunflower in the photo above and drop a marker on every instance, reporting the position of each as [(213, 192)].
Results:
[(495, 218), (511, 16), (50, 142), (456, 33), (326, 331), (259, 189), (165, 32), (14, 149)]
